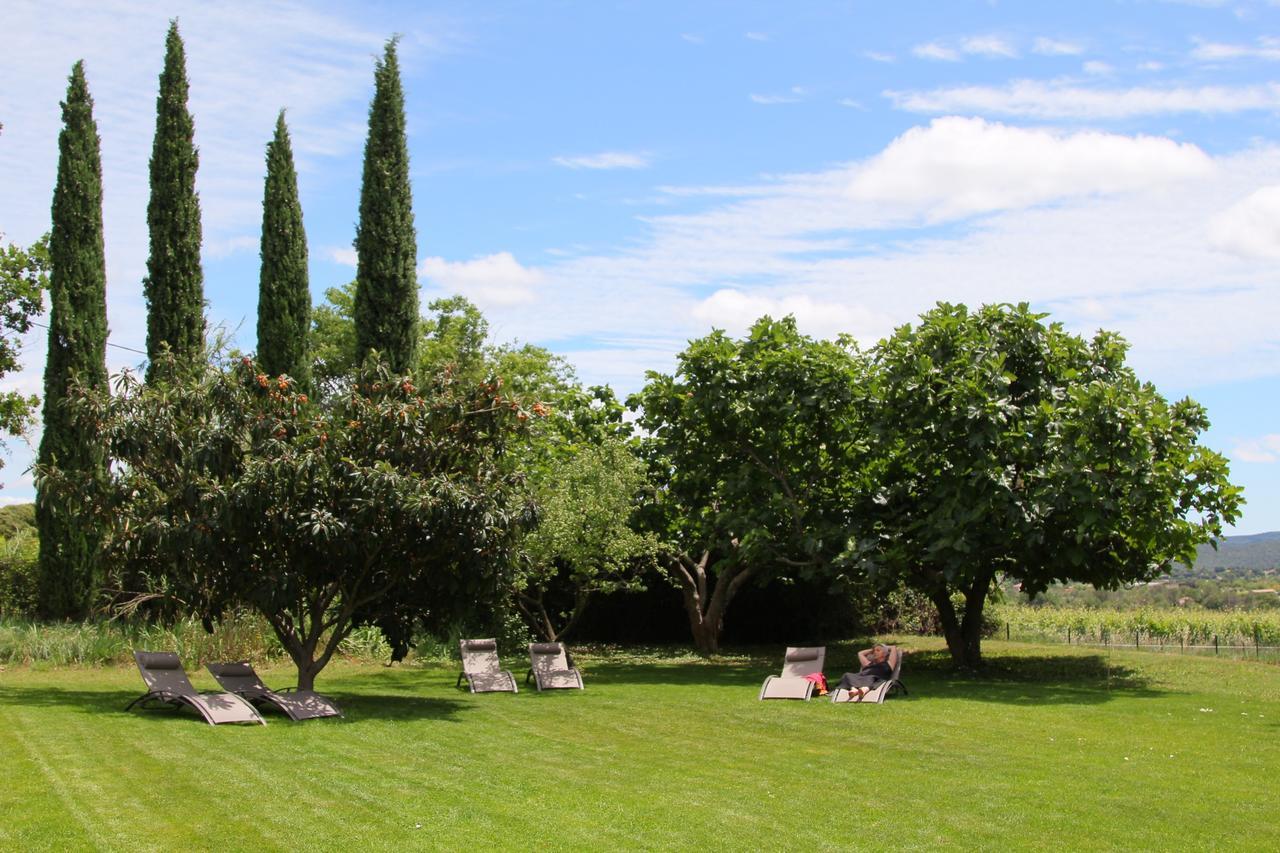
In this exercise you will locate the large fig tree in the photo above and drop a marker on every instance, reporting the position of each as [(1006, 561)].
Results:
[(1004, 445), (753, 447)]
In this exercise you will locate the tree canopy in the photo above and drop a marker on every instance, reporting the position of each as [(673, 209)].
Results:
[(387, 507), (284, 294), (386, 297), (1004, 445), (174, 286), (24, 274), (76, 350), (751, 445)]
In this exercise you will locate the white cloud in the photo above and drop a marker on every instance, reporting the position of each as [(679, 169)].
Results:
[(1054, 100), (605, 160), (493, 280), (960, 166), (795, 95), (344, 255), (988, 46), (936, 52), (1097, 68), (1267, 48), (1263, 449), (757, 36), (878, 56), (1056, 47), (736, 311), (1251, 227), (692, 38), (992, 47)]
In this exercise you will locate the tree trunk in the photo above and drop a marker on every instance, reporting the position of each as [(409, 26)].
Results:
[(706, 612), (963, 632), (950, 625)]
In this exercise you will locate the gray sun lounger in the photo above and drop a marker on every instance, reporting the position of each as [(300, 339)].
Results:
[(482, 670), (240, 679), (792, 684), (167, 684), (881, 691), (550, 667)]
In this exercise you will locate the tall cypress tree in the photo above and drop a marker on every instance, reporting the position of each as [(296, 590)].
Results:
[(77, 349), (174, 286), (386, 303), (284, 298)]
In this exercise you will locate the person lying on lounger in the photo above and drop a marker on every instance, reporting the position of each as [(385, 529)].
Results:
[(875, 670)]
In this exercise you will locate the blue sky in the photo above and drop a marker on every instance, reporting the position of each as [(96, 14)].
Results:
[(612, 179)]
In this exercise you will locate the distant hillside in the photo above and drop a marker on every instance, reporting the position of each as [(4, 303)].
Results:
[(1260, 551), (16, 516)]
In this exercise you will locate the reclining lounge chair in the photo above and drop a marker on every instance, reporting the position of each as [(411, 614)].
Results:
[(168, 684), (482, 670), (240, 679), (792, 684), (881, 691), (550, 667)]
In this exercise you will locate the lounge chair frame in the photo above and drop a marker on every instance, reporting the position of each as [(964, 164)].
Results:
[(884, 689), (170, 687), (551, 668), (481, 669), (798, 662), (240, 678)]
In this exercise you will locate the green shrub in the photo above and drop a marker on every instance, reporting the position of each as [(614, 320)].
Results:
[(19, 558)]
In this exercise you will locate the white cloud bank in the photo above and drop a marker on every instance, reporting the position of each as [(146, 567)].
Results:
[(605, 160), (1263, 449), (960, 166), (1251, 227), (496, 280), (1064, 100), (1102, 230)]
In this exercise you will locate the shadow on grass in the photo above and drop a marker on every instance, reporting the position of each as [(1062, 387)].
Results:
[(355, 706), (928, 675), (1027, 679)]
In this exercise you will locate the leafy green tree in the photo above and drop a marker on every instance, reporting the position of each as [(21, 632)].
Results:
[(284, 295), (1004, 445), (389, 507), (77, 352), (174, 286), (333, 340), (584, 543), (453, 336), (386, 298), (24, 274), (752, 447)]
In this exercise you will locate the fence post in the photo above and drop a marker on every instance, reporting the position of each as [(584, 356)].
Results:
[(1006, 631), (1135, 639), (1257, 643), (1215, 644), (1068, 635)]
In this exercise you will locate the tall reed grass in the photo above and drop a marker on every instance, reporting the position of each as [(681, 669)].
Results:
[(237, 636)]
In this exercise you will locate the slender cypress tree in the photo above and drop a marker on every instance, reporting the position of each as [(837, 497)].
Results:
[(284, 298), (77, 350), (174, 286), (386, 303)]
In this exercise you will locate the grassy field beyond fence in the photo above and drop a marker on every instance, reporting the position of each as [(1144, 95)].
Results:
[(1049, 747)]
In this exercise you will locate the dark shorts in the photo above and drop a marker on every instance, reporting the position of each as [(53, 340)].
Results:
[(853, 679)]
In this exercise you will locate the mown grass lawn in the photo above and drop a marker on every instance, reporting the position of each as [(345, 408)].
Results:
[(1051, 749)]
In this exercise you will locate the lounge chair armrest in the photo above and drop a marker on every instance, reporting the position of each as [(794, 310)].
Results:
[(528, 676)]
